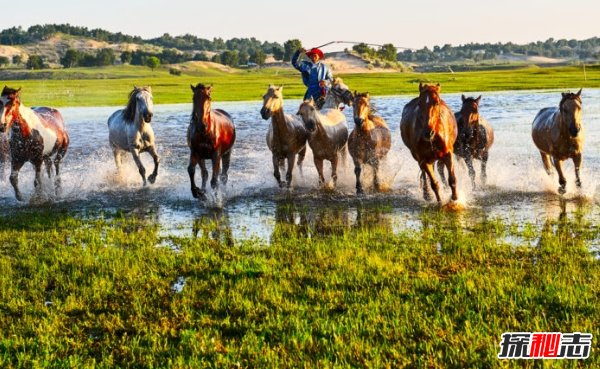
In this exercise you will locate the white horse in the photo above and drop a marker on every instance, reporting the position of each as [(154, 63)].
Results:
[(129, 130), (327, 135), (339, 93)]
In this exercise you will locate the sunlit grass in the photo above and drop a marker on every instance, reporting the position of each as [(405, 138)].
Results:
[(110, 85), (100, 293)]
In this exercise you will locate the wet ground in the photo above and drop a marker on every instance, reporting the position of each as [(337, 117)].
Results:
[(251, 206)]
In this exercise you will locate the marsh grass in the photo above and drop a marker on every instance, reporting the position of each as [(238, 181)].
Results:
[(100, 291), (107, 86)]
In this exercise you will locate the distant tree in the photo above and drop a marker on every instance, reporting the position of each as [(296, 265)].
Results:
[(17, 59), (70, 59), (35, 62), (126, 57), (363, 48), (152, 62), (244, 57), (258, 56), (216, 58), (278, 52), (387, 52), (290, 47), (201, 57), (105, 57), (230, 58), (4, 61)]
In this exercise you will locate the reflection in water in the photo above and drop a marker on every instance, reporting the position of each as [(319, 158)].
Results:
[(213, 225)]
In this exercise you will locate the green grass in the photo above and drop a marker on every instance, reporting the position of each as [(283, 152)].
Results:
[(110, 85), (327, 295)]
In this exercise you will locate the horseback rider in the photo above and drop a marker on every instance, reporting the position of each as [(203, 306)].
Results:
[(316, 76)]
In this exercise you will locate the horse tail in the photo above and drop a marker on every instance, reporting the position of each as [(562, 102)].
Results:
[(344, 155)]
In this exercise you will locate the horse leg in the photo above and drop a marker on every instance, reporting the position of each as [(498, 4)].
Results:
[(57, 159), (428, 169), (226, 159), (136, 157), (192, 173), (577, 163), (290, 168), (334, 164), (48, 164), (204, 174), (301, 155), (469, 162), (276, 170), (484, 159), (440, 168), (118, 160), (376, 183), (561, 177), (14, 178), (546, 161), (424, 187), (319, 166), (357, 170), (216, 168), (156, 158), (449, 161)]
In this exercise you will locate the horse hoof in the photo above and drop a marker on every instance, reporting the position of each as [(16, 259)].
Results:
[(152, 179), (562, 190)]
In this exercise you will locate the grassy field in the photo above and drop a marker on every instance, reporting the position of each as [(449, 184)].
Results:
[(110, 85), (111, 292)]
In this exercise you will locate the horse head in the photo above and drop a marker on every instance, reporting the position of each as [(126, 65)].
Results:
[(362, 108), (570, 112), (308, 112), (201, 105), (469, 114), (341, 92), (9, 109), (140, 105), (272, 101), (429, 107)]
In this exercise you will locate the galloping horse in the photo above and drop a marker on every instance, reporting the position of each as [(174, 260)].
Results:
[(286, 136), (475, 137), (210, 135), (557, 132), (328, 135), (370, 139), (34, 135), (428, 129), (339, 93), (129, 130)]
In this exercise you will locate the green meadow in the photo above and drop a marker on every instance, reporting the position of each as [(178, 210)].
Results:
[(110, 85), (108, 291)]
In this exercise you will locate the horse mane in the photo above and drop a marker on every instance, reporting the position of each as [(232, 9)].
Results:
[(569, 96), (129, 112)]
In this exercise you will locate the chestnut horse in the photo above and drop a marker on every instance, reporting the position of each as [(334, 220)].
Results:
[(557, 132), (35, 135), (286, 136), (428, 129), (129, 130), (327, 135), (210, 135), (475, 137), (370, 139)]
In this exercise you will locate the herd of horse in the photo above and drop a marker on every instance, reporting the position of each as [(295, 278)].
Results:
[(429, 129)]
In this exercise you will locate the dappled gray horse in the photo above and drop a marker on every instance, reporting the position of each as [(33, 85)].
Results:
[(129, 130)]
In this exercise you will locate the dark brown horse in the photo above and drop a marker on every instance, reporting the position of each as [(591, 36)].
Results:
[(370, 139), (210, 135), (558, 132), (428, 129), (475, 137), (35, 135)]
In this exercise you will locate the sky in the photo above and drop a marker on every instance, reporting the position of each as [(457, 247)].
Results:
[(411, 24)]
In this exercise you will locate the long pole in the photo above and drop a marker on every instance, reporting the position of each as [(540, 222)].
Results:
[(356, 43)]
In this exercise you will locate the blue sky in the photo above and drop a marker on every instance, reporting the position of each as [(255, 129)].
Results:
[(414, 23)]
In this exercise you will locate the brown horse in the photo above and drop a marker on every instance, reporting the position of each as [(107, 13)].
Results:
[(286, 136), (370, 139), (557, 132), (327, 135), (428, 129), (35, 135), (475, 137), (210, 135)]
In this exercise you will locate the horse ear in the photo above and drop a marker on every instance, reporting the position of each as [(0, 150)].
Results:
[(578, 92), (149, 89), (193, 88), (478, 99), (367, 94), (420, 86), (463, 97), (280, 88), (563, 94)]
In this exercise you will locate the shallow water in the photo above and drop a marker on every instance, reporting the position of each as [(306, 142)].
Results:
[(252, 205)]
